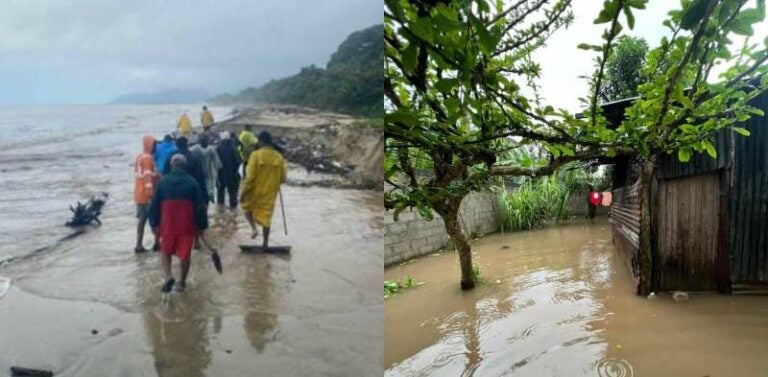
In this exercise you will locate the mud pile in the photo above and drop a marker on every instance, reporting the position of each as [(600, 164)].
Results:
[(347, 148)]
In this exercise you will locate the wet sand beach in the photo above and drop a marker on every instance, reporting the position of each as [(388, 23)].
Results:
[(89, 306)]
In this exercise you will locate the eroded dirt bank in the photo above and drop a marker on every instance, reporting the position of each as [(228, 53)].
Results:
[(347, 148)]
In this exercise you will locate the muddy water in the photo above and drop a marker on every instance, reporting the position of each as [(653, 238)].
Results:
[(317, 311), (559, 302), (89, 306)]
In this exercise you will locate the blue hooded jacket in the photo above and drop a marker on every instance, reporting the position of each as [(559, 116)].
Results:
[(163, 152)]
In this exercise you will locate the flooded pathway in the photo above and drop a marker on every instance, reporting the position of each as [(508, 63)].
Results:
[(90, 307), (559, 302)]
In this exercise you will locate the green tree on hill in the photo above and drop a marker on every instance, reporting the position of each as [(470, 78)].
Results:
[(352, 81)]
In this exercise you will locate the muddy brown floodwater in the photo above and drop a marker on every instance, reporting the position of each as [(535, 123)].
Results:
[(90, 307), (559, 301)]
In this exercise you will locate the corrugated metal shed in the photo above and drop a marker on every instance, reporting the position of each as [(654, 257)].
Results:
[(625, 221), (670, 166), (687, 230), (732, 213), (749, 202)]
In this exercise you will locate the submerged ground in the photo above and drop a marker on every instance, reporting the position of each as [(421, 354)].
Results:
[(559, 302), (317, 312)]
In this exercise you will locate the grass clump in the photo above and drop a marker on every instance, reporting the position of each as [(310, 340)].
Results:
[(392, 287)]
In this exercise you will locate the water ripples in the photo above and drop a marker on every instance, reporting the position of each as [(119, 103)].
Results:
[(614, 367), (5, 285)]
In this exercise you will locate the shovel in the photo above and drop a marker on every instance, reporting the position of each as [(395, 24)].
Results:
[(214, 255), (282, 210)]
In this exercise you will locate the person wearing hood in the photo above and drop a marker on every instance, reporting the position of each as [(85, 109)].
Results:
[(184, 125), (266, 172), (163, 151), (228, 179), (144, 189), (206, 118), (248, 143), (211, 164), (194, 165), (177, 214)]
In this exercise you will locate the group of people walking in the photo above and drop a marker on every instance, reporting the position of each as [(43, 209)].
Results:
[(175, 183)]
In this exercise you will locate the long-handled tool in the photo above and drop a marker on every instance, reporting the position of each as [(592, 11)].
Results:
[(214, 254), (282, 210)]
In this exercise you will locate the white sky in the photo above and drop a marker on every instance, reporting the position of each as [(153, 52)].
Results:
[(562, 63)]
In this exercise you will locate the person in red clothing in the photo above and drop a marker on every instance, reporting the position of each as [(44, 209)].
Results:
[(177, 214), (144, 189)]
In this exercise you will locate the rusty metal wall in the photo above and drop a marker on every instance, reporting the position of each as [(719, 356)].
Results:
[(669, 166), (625, 220), (688, 213), (748, 239)]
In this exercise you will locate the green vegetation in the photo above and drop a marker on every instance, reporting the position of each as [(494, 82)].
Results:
[(532, 203), (458, 78), (536, 200), (477, 275), (624, 69), (392, 287), (351, 82)]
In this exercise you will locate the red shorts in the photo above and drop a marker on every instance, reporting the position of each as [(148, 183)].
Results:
[(180, 244)]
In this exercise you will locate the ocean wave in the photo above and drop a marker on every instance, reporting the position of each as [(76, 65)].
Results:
[(126, 122)]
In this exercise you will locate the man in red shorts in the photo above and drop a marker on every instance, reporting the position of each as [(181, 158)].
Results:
[(177, 214)]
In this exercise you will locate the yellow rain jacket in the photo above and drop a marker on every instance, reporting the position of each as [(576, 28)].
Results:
[(247, 142), (184, 125), (206, 118), (266, 171)]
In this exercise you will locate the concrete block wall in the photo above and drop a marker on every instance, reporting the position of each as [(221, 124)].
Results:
[(412, 236), (577, 205)]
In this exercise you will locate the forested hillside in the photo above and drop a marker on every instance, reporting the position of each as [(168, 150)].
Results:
[(352, 82)]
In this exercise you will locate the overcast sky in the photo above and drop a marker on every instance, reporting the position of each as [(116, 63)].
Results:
[(81, 51), (562, 62)]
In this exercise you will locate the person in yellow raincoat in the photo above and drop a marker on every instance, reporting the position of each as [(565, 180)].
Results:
[(248, 143), (206, 118), (184, 125), (266, 172)]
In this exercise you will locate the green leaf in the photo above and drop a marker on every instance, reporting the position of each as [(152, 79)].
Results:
[(586, 46), (402, 116), (487, 40), (610, 152), (684, 154), (630, 17), (554, 150), (425, 212), (750, 16), (680, 97), (452, 105), (445, 85), (422, 27), (741, 27), (409, 57), (693, 13), (399, 207), (709, 148), (447, 12), (689, 129), (741, 131)]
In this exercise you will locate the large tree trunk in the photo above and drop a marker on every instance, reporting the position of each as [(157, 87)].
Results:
[(645, 262), (450, 216)]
